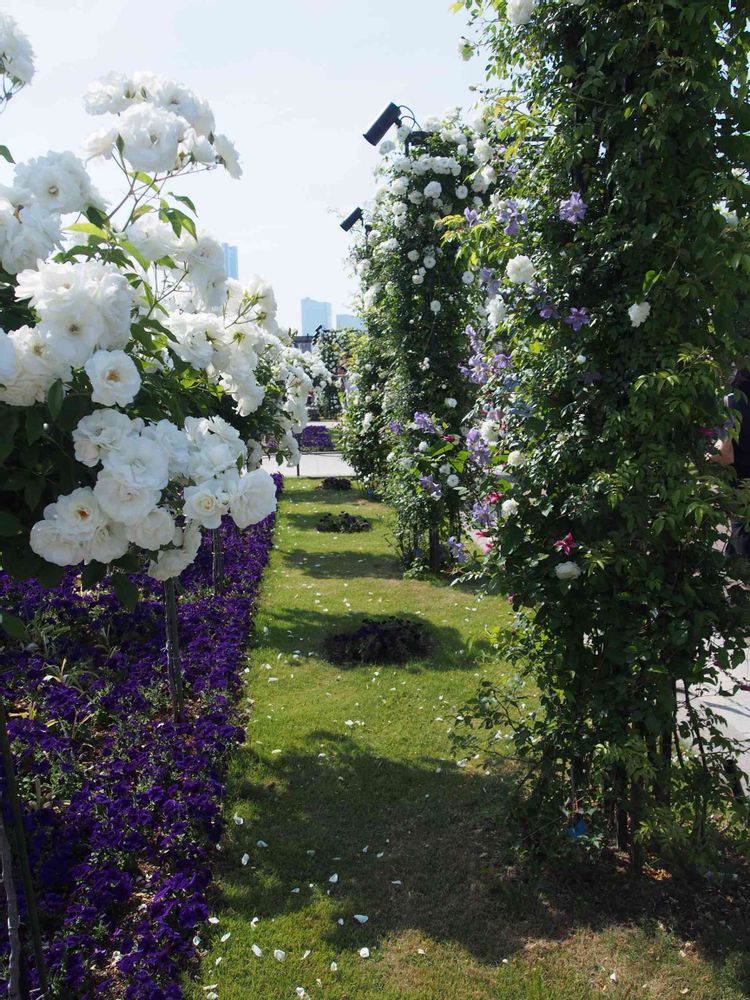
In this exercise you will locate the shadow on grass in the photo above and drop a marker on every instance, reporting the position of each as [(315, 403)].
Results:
[(443, 869), (316, 625), (344, 563)]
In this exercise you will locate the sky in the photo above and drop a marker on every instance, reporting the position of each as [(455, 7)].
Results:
[(294, 84)]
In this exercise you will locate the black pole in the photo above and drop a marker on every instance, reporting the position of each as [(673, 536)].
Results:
[(14, 934), (174, 671), (217, 560), (11, 786)]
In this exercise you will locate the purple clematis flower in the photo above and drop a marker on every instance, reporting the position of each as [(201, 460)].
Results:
[(577, 318), (573, 209)]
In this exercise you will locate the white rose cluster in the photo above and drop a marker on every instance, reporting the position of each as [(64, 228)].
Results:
[(162, 126), (205, 461)]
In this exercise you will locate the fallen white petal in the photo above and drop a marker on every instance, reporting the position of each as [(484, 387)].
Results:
[(245, 859), (279, 955), (334, 878), (364, 952), (361, 918), (256, 950), (213, 920), (226, 937)]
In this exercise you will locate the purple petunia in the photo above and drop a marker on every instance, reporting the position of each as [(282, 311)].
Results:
[(138, 792), (472, 217), (395, 427)]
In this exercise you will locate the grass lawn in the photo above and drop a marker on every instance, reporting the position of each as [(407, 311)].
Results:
[(347, 778)]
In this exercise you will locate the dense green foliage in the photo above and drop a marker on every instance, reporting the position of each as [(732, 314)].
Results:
[(641, 107)]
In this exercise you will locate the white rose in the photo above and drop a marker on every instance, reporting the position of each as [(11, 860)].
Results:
[(99, 432), (121, 502), (226, 153), (423, 446), (16, 53), (115, 380), (508, 508), (520, 11), (450, 402), (150, 137), (205, 503), (433, 190), (154, 531), (490, 431), (462, 192), (138, 462), (468, 277), (639, 313), (54, 545), (109, 542), (253, 498), (452, 480), (496, 311), (58, 181), (516, 459), (567, 571), (520, 270), (435, 306)]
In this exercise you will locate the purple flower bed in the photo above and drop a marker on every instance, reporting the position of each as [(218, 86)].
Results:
[(315, 437), (123, 804)]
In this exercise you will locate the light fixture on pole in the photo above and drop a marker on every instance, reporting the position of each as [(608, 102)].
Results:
[(351, 220), (391, 116)]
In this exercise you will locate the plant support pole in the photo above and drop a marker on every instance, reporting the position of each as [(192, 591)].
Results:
[(14, 935), (11, 787), (174, 671), (217, 559)]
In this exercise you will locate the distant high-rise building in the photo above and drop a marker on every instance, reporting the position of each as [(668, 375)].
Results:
[(346, 321), (230, 261), (314, 314)]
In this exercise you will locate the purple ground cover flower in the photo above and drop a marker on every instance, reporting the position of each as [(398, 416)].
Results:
[(394, 426), (315, 437), (121, 847)]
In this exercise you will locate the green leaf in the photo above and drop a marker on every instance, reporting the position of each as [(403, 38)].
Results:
[(13, 625), (5, 153), (34, 424), (92, 574), (185, 201), (56, 398), (88, 227), (9, 524), (127, 592)]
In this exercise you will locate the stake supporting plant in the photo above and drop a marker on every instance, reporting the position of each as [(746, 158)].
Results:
[(217, 559), (11, 899), (174, 668), (19, 844)]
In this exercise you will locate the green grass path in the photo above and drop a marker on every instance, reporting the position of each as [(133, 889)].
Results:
[(347, 778)]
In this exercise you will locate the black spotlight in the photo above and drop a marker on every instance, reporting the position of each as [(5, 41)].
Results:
[(351, 220), (377, 130)]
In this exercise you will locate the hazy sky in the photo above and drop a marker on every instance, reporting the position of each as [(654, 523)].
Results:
[(292, 84)]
